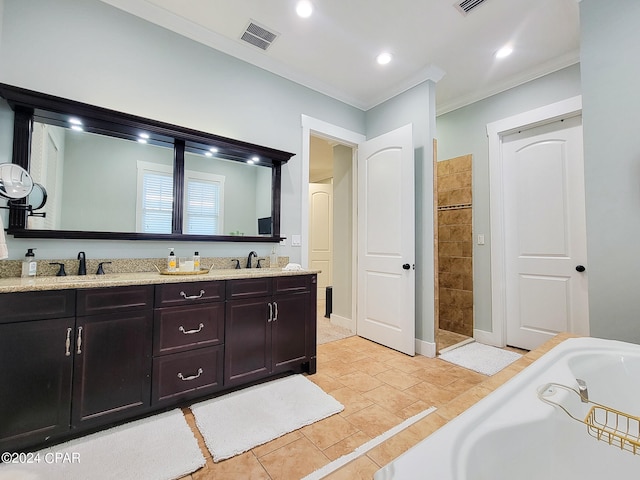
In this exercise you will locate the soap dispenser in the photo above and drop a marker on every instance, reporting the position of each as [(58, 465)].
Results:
[(273, 258), (29, 265), (196, 261), (171, 261)]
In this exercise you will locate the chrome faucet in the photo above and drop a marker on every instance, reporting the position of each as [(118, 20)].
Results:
[(251, 254), (82, 267), (582, 389)]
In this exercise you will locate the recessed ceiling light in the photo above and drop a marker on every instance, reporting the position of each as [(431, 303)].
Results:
[(304, 8), (144, 135), (384, 58), (504, 51), (75, 121), (213, 150)]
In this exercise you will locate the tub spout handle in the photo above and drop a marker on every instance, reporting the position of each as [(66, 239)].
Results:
[(582, 388)]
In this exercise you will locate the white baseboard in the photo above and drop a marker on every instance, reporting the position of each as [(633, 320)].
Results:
[(428, 349), (343, 322), (488, 338)]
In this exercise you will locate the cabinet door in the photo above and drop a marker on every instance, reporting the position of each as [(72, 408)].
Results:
[(247, 354), (112, 367), (290, 327), (35, 394)]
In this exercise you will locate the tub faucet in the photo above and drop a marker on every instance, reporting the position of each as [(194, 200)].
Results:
[(82, 267), (582, 388), (251, 254)]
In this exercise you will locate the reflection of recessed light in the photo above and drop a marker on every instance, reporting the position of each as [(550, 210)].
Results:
[(144, 135), (304, 8), (142, 140), (384, 58), (208, 154), (75, 121), (255, 159), (504, 51), (77, 128)]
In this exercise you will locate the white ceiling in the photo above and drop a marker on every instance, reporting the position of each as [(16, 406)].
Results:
[(334, 50)]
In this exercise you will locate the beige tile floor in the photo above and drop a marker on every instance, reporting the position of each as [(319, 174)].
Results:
[(379, 389)]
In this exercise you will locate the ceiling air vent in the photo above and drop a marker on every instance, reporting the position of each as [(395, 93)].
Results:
[(465, 6), (258, 36)]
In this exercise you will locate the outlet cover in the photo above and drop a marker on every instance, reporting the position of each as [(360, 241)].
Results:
[(296, 240)]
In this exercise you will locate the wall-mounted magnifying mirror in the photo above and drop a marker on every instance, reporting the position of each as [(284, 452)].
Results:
[(15, 182)]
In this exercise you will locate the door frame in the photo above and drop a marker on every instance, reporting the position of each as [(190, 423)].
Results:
[(349, 138), (496, 131)]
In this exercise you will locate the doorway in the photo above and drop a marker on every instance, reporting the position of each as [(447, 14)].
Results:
[(454, 245), (330, 224)]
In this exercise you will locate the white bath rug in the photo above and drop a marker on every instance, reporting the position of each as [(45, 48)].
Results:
[(239, 421), (481, 358), (161, 447)]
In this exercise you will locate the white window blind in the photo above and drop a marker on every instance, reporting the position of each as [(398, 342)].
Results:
[(203, 200), (202, 207), (157, 202)]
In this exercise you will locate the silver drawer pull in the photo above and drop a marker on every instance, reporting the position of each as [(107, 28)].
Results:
[(192, 297), (270, 313), (67, 343), (79, 341), (192, 377), (275, 317), (191, 332)]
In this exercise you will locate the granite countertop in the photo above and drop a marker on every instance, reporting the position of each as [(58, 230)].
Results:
[(16, 284)]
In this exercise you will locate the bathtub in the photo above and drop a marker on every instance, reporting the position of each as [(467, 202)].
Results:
[(512, 434)]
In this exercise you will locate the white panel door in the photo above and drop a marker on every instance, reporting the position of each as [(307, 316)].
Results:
[(545, 233), (321, 234), (386, 240)]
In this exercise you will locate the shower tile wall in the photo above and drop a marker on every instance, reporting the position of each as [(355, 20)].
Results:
[(455, 247)]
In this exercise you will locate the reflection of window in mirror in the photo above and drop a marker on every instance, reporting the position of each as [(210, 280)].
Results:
[(154, 202), (203, 203)]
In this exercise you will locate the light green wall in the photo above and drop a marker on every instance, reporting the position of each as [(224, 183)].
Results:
[(94, 53), (610, 78), (416, 106), (464, 131)]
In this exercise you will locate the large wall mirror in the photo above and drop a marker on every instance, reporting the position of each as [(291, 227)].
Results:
[(112, 175)]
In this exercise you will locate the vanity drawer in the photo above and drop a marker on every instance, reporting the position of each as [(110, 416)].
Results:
[(93, 301), (249, 287), (186, 375), (292, 284), (181, 328), (22, 306), (189, 293)]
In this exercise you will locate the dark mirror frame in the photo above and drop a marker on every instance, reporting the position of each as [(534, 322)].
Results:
[(28, 106)]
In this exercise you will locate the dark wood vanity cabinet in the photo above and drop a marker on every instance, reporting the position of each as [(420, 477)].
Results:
[(79, 359), (36, 331), (188, 341), (268, 327)]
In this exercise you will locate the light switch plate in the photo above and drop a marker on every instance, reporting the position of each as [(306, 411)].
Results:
[(481, 239), (296, 241)]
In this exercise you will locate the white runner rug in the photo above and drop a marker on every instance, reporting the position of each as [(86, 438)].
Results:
[(481, 358), (161, 447), (239, 421)]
